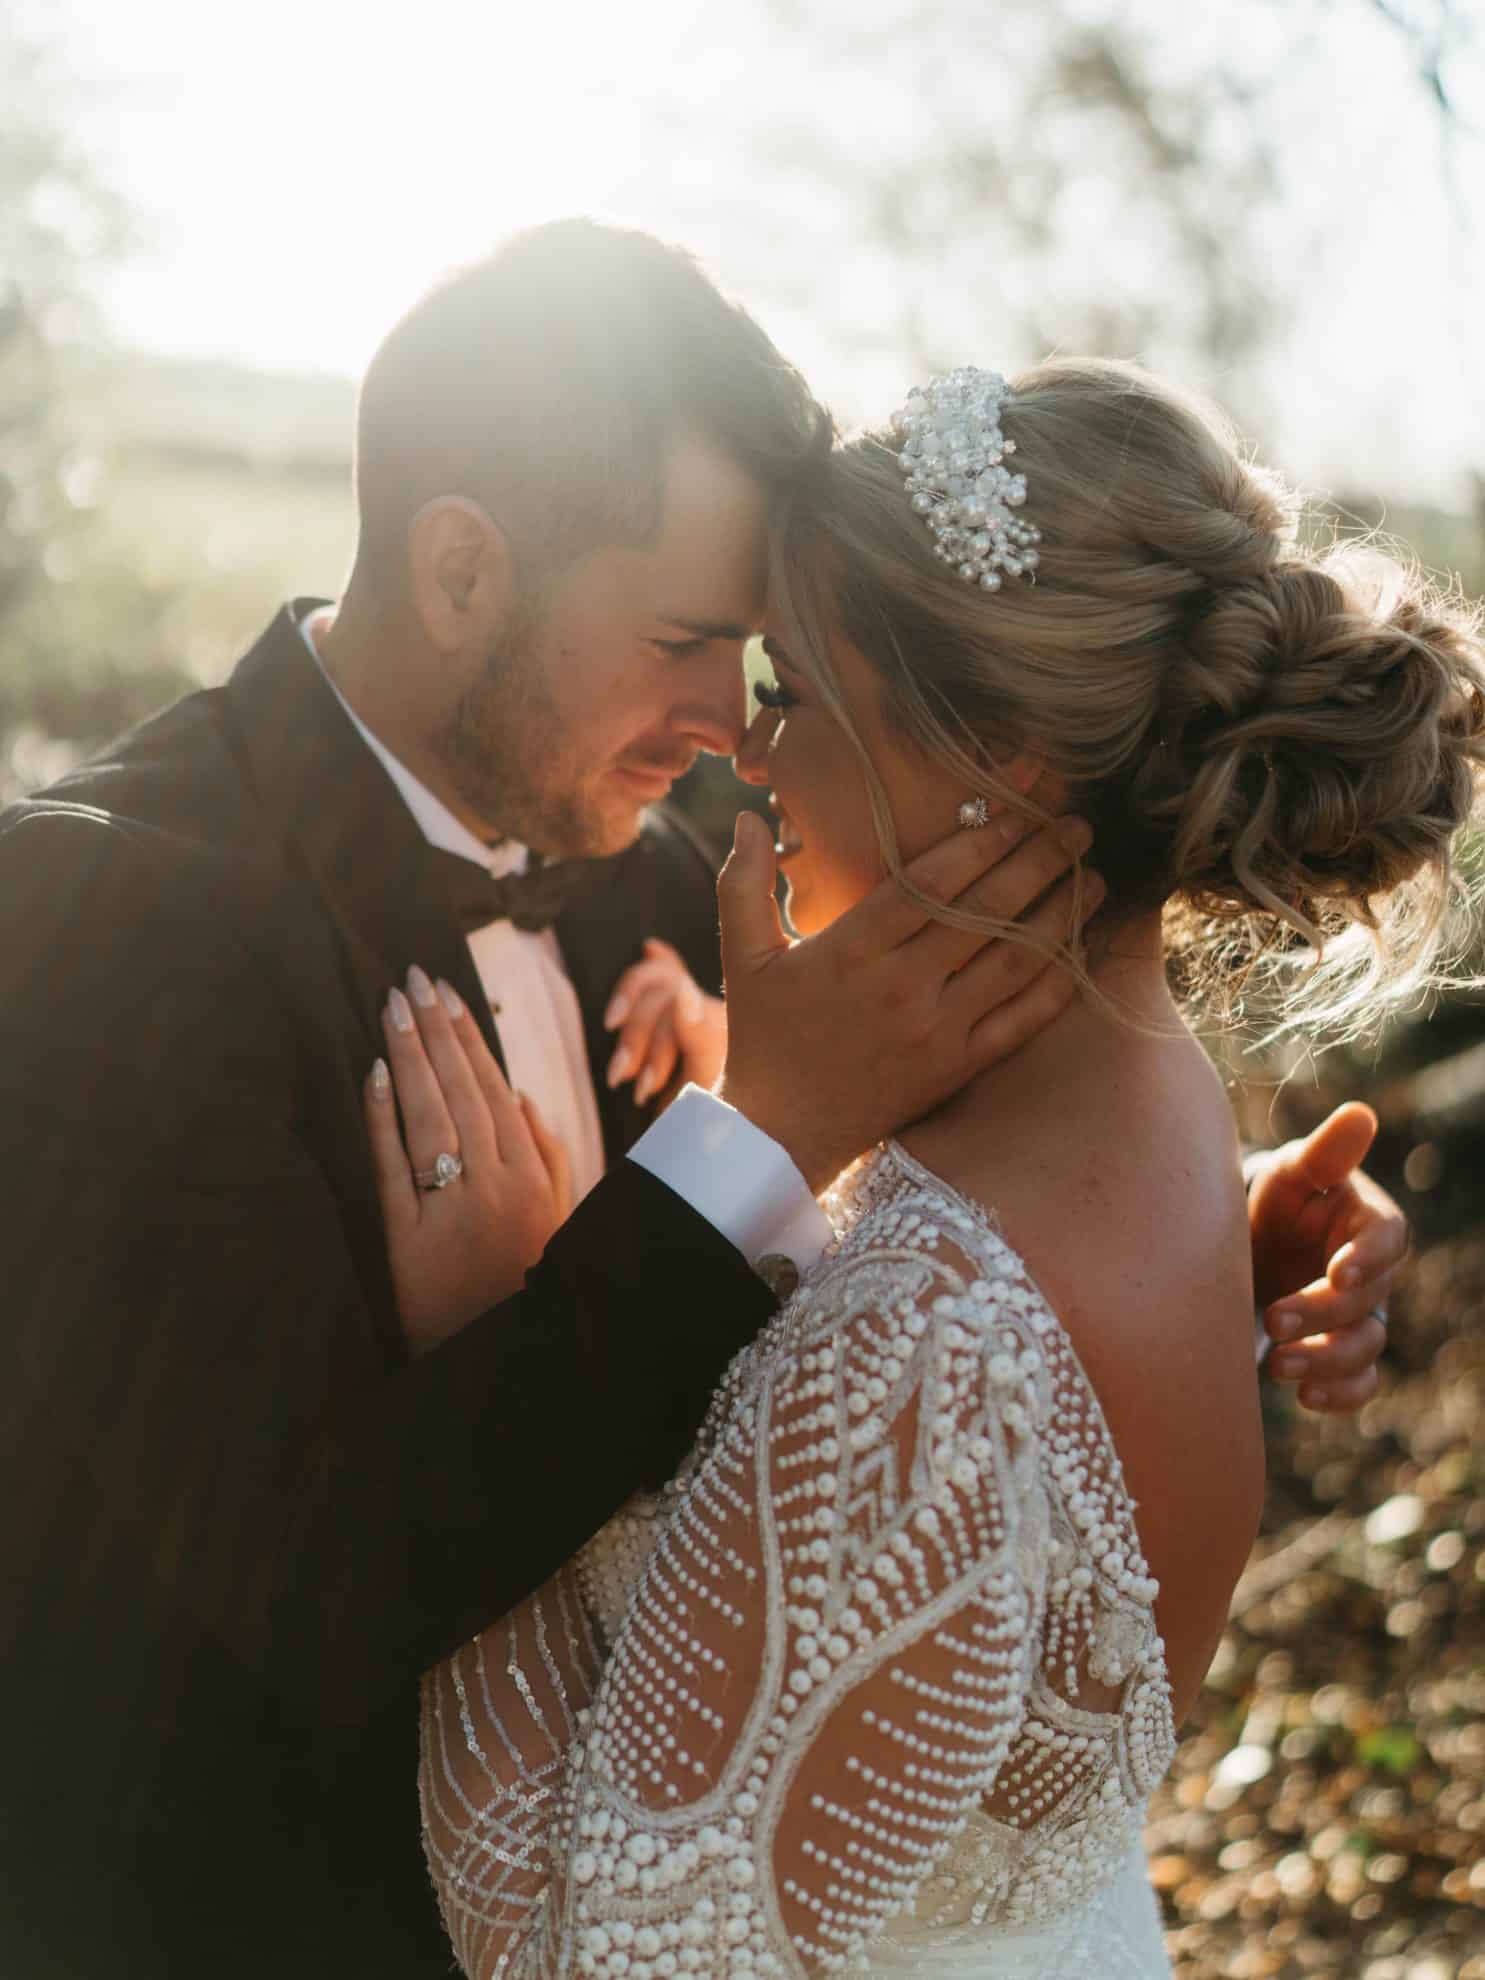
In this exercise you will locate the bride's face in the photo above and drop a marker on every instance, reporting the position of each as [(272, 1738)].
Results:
[(826, 837)]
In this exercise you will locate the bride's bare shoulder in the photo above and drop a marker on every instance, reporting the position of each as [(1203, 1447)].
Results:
[(1124, 1196), (1118, 1182)]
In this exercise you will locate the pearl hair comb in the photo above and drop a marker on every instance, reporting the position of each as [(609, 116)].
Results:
[(953, 456)]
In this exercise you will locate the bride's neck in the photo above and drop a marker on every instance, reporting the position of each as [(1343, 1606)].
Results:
[(1126, 1006)]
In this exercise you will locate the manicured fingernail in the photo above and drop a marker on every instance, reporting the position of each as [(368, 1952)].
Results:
[(381, 1079), (1349, 1275), (399, 1010), (618, 1066), (421, 988), (453, 1003), (643, 1087), (1076, 834), (618, 1010), (1285, 1325)]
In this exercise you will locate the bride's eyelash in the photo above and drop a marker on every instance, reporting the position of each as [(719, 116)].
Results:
[(773, 694)]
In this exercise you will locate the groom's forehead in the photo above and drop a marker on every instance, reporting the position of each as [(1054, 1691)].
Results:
[(709, 557), (717, 597), (712, 590)]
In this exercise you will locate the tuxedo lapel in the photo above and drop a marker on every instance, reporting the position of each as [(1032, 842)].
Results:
[(340, 816), (601, 931)]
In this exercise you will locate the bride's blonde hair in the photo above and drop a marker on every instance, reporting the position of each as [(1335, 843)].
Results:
[(1279, 746)]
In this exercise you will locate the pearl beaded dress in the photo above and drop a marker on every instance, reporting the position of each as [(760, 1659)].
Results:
[(874, 1687)]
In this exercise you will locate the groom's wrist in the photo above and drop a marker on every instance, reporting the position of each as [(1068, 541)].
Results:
[(741, 1180)]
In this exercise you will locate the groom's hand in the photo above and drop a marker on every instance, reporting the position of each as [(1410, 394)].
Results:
[(840, 1040), (1327, 1243)]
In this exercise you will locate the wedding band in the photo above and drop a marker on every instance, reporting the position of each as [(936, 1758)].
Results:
[(1379, 1314), (447, 1169)]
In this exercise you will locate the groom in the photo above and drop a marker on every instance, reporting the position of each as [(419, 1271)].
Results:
[(238, 1520)]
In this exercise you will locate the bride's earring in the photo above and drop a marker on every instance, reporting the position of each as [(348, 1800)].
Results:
[(973, 813)]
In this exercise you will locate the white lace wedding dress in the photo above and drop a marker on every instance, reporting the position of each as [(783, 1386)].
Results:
[(874, 1688)]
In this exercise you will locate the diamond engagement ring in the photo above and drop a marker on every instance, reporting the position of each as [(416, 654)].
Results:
[(447, 1169)]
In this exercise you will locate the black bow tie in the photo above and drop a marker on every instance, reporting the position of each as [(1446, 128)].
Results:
[(531, 900)]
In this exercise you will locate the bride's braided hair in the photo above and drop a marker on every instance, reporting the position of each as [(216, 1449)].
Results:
[(1286, 741)]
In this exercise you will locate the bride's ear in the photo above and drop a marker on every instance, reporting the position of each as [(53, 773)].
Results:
[(1030, 776)]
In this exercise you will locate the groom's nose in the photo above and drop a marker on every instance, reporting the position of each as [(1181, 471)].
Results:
[(713, 713), (751, 759)]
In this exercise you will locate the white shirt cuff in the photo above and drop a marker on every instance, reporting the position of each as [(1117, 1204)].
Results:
[(739, 1179)]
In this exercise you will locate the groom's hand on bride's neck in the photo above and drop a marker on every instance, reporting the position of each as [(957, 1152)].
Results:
[(838, 1041)]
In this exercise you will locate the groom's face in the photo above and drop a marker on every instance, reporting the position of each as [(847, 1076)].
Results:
[(602, 691)]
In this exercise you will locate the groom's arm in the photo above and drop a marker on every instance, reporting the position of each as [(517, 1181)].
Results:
[(207, 1411), (202, 1404), (456, 1484)]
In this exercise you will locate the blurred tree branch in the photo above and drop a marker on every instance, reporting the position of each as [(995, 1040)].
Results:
[(1435, 43), (1077, 176)]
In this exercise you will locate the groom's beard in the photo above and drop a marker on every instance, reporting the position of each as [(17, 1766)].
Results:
[(507, 753)]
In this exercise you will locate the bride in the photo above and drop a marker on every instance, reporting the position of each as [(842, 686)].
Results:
[(882, 1682)]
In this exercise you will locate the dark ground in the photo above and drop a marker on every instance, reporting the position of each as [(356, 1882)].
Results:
[(1326, 1813)]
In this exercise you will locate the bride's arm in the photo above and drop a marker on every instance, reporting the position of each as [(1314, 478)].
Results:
[(498, 1718), (827, 1658)]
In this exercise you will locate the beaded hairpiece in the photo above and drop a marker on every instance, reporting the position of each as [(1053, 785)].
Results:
[(953, 455)]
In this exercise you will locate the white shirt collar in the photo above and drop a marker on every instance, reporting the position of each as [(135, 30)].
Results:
[(439, 825)]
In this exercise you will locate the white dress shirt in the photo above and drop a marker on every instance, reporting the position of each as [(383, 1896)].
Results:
[(729, 1171), (520, 971)]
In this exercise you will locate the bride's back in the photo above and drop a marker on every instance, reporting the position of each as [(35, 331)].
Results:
[(1109, 1158)]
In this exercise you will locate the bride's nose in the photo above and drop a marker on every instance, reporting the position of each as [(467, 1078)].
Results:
[(751, 761)]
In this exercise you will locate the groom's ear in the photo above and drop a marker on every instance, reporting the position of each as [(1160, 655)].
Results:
[(461, 569)]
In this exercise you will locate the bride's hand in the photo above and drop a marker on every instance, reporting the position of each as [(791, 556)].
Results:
[(665, 1022), (842, 1038), (461, 1248)]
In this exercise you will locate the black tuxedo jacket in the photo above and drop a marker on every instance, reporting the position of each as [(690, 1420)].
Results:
[(237, 1522)]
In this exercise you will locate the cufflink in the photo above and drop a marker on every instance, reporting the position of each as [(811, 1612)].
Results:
[(779, 1273)]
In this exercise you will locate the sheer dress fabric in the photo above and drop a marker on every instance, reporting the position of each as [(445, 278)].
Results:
[(874, 1687)]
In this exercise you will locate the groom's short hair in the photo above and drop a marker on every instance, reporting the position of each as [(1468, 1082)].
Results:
[(543, 383)]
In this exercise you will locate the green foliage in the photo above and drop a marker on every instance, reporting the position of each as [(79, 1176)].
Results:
[(1390, 1749)]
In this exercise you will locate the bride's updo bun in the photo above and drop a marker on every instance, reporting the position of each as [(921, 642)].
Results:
[(1323, 729), (1288, 741)]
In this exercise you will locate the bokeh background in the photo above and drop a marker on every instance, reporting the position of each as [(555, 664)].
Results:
[(207, 219)]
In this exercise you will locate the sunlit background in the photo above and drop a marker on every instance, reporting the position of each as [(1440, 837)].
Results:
[(209, 216), (213, 216), (1282, 199)]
